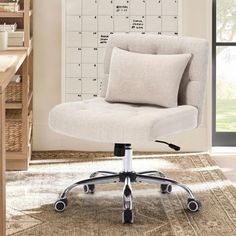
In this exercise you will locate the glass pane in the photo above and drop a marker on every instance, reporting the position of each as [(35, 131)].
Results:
[(226, 20), (226, 89)]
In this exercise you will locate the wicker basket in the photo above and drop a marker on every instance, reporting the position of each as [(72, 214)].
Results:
[(13, 131), (14, 92)]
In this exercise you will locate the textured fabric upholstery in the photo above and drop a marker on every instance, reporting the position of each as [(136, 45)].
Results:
[(192, 87), (139, 78), (98, 120)]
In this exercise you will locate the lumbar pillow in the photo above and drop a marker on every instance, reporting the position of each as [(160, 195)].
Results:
[(145, 78)]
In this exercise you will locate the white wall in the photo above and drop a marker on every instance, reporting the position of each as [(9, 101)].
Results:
[(47, 79)]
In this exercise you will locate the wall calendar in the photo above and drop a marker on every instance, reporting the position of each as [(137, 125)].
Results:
[(87, 25)]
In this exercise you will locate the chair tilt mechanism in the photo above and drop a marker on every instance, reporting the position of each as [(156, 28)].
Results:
[(128, 176)]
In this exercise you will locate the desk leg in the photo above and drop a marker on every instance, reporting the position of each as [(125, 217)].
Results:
[(2, 167)]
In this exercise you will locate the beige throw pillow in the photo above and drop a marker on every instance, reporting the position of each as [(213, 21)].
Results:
[(145, 78)]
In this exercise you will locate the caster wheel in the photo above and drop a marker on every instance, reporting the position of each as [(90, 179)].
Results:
[(193, 205), (89, 188), (60, 205), (166, 188), (127, 217)]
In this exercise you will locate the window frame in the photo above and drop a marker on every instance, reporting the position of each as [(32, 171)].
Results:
[(218, 138)]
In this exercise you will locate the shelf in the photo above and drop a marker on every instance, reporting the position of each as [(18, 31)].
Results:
[(17, 14), (24, 18), (16, 105), (30, 48)]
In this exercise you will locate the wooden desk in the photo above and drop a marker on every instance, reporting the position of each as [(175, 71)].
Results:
[(5, 78)]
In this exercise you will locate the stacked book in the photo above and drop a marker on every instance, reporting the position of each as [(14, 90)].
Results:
[(15, 36), (9, 5), (16, 39)]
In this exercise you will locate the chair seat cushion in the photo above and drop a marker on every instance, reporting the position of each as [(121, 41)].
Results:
[(98, 120)]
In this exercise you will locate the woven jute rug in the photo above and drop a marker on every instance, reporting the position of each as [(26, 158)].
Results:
[(31, 194)]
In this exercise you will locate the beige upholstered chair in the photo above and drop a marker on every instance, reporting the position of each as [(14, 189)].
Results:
[(123, 123)]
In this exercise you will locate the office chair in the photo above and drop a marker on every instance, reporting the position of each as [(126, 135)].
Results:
[(125, 123)]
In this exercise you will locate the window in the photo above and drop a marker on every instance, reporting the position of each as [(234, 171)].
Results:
[(224, 72)]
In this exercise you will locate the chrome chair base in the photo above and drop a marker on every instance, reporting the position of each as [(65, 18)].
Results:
[(127, 177)]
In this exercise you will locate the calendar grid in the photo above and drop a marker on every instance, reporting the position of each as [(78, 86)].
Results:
[(88, 24)]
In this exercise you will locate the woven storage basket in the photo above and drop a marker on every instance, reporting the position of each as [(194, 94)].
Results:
[(13, 131), (14, 92)]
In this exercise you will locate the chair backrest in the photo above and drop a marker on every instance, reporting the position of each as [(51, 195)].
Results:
[(193, 83)]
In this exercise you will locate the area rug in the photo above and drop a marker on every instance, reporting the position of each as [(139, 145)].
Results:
[(31, 194)]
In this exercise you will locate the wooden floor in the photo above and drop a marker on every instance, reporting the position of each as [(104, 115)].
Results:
[(227, 162)]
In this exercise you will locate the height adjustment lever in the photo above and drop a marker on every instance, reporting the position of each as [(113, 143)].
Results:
[(172, 146)]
